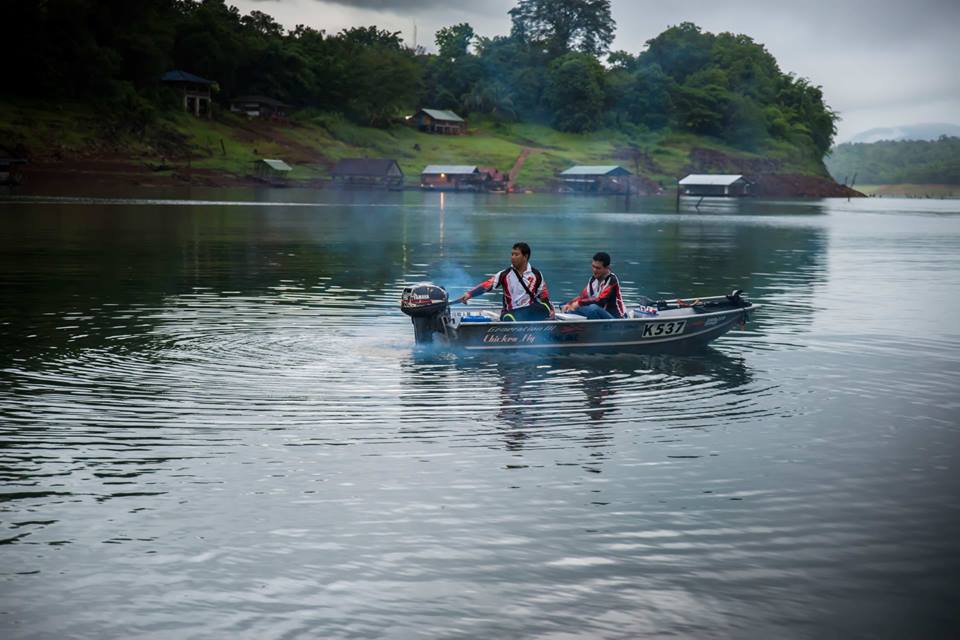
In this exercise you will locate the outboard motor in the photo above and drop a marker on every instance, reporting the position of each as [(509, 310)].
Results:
[(735, 298), (426, 304)]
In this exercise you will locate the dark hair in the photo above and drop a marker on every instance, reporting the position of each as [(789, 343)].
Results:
[(524, 248), (602, 257)]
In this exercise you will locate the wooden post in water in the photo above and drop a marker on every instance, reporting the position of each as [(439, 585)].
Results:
[(677, 207)]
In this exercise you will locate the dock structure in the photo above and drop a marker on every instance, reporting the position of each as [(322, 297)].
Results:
[(452, 177), (713, 185), (194, 90), (368, 172), (439, 121), (596, 179)]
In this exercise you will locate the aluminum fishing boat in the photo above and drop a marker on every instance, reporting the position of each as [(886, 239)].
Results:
[(661, 326)]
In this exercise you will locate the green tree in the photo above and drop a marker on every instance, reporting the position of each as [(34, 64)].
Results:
[(680, 51), (646, 99), (490, 96), (575, 92), (562, 26), (520, 67), (453, 42), (385, 84)]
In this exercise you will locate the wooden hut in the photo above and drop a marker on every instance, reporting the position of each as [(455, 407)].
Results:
[(378, 172), (439, 121), (596, 179), (451, 177), (706, 185), (271, 170), (194, 90), (260, 107)]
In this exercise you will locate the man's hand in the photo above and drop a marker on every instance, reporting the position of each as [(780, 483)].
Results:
[(463, 299), (570, 306)]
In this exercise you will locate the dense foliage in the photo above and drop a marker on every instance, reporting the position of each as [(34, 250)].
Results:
[(897, 162), (552, 68)]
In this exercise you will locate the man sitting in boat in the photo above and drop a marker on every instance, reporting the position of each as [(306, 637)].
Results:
[(525, 295), (600, 299)]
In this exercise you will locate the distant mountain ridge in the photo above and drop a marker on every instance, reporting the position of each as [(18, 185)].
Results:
[(923, 131)]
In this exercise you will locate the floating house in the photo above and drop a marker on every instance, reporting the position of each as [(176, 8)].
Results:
[(9, 172), (439, 121), (452, 177), (493, 178), (375, 172), (260, 107), (194, 90), (272, 170), (596, 179), (706, 185)]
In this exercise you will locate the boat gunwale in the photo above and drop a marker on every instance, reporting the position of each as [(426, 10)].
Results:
[(603, 320)]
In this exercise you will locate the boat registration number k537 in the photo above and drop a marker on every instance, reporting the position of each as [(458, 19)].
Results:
[(658, 329)]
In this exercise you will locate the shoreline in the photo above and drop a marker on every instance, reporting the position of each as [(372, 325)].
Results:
[(54, 177)]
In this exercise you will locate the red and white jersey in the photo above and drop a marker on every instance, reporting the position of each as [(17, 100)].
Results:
[(515, 296), (604, 292)]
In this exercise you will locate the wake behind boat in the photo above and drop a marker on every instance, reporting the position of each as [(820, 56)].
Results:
[(665, 326)]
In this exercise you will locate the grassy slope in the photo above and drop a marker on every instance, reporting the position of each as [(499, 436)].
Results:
[(314, 141)]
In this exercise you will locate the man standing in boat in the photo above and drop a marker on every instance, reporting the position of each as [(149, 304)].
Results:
[(525, 295), (600, 299)]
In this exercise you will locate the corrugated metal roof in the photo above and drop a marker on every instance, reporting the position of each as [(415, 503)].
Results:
[(365, 167), (276, 165), (441, 114), (594, 170), (717, 180), (449, 169), (258, 100), (182, 76)]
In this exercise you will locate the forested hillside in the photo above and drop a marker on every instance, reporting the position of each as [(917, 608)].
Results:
[(554, 68), (898, 162)]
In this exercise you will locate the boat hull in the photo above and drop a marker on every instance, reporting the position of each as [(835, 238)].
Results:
[(673, 331)]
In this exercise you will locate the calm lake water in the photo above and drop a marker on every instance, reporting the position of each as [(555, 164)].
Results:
[(215, 425)]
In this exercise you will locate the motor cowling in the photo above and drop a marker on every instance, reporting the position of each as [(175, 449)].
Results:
[(426, 304)]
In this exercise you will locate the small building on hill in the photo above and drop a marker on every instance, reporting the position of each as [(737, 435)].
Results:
[(194, 90), (452, 177), (706, 185), (379, 172), (271, 170), (439, 121), (596, 179), (260, 107)]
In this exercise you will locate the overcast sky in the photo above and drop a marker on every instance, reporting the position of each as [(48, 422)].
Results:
[(880, 63)]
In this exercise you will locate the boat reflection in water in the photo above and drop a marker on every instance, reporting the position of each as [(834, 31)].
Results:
[(521, 400)]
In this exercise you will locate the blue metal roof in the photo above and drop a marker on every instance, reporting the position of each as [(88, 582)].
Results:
[(182, 76), (594, 170), (714, 180), (276, 165), (441, 114), (449, 169)]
